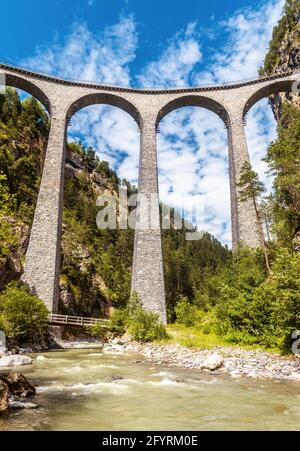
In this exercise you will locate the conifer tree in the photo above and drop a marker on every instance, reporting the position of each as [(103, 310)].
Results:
[(251, 188)]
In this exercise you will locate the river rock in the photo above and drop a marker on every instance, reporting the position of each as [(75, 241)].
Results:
[(4, 402), (15, 360), (18, 385), (117, 378), (213, 362)]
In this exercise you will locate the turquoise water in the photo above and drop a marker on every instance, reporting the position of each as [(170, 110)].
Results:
[(86, 390)]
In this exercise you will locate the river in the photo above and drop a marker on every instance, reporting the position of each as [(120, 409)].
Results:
[(83, 389)]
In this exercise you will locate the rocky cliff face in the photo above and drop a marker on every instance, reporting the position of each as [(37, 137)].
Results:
[(284, 54), (73, 249), (76, 252)]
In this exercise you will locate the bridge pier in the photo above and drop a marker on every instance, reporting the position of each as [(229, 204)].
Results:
[(245, 227), (42, 264), (147, 272)]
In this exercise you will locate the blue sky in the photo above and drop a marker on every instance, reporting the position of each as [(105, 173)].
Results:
[(157, 43), (33, 23)]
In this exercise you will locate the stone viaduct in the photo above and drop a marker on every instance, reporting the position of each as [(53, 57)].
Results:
[(62, 98)]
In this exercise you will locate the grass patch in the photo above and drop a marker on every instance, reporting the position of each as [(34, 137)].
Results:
[(193, 337)]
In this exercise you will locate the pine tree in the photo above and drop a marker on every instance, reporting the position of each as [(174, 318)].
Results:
[(251, 188)]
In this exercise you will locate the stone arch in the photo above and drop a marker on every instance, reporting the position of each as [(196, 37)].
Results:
[(273, 88), (107, 99), (21, 83), (193, 100)]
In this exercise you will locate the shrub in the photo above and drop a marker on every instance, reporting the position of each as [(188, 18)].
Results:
[(97, 331), (142, 324), (118, 321), (134, 305), (186, 313), (23, 316), (261, 311), (283, 291), (145, 326)]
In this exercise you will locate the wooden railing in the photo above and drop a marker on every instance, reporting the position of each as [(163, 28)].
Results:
[(78, 321)]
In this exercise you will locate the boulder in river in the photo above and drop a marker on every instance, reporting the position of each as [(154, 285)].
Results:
[(4, 401), (15, 360), (213, 362), (18, 385)]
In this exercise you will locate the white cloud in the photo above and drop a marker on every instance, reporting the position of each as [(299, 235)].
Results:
[(247, 35), (86, 56), (113, 133), (176, 64)]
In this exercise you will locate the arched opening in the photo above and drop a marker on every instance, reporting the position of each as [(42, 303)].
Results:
[(269, 108), (102, 155), (29, 88), (193, 177), (24, 131)]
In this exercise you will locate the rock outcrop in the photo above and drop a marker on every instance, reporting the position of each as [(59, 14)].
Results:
[(18, 385), (4, 399), (287, 58), (14, 388)]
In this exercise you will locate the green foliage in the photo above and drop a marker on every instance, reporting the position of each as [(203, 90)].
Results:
[(118, 321), (253, 309), (134, 304), (186, 313), (282, 290), (251, 188), (8, 238), (283, 158), (285, 26), (143, 325), (250, 185), (24, 129), (105, 276), (23, 316), (190, 267), (77, 148), (97, 331), (7, 200)]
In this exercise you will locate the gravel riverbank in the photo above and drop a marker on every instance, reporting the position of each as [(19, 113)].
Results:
[(235, 362)]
